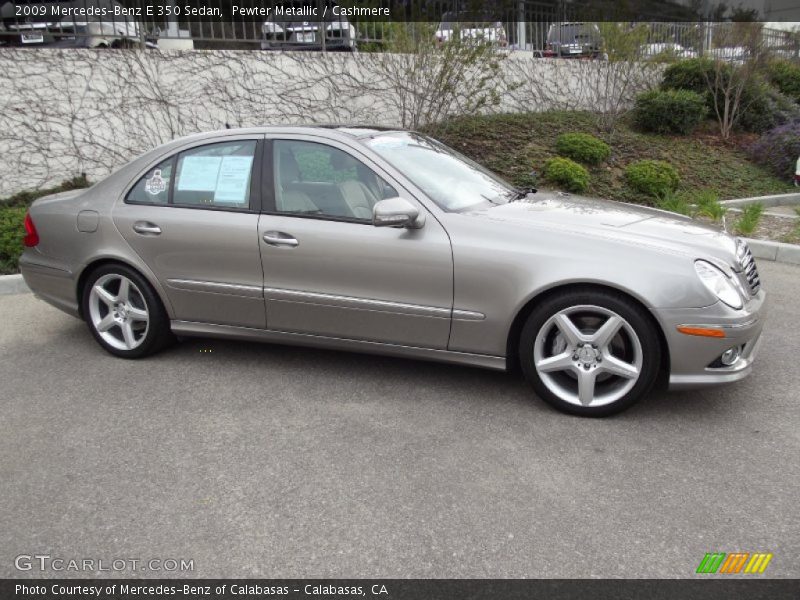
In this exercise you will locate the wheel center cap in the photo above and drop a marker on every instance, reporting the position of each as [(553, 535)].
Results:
[(587, 355), (120, 312)]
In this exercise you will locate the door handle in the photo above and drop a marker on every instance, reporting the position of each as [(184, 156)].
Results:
[(278, 238), (146, 228)]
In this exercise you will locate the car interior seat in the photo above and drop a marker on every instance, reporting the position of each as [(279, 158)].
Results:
[(287, 199), (356, 193)]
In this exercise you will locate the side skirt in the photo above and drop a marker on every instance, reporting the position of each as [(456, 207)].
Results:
[(189, 328)]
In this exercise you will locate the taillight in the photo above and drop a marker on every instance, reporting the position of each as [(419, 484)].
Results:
[(31, 238)]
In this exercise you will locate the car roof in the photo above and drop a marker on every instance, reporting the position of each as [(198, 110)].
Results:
[(332, 130), (358, 130)]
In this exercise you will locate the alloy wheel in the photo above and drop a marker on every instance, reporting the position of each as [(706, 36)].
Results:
[(119, 312), (588, 355)]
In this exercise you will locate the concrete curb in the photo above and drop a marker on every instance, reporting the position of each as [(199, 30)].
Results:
[(777, 251), (767, 201), (13, 284)]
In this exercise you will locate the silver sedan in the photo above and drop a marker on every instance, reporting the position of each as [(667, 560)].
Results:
[(390, 242)]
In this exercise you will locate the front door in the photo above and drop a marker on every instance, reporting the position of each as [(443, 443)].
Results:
[(328, 271)]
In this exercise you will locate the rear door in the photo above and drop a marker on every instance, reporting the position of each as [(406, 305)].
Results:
[(193, 218)]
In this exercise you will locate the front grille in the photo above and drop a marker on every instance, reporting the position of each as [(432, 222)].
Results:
[(748, 266)]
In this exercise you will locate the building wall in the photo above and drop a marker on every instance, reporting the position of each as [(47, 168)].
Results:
[(64, 112)]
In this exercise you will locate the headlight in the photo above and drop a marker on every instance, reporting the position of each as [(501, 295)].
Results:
[(718, 283)]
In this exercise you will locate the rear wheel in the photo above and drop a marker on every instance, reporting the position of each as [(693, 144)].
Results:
[(590, 352), (123, 312)]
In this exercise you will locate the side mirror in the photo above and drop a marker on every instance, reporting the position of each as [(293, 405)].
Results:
[(397, 212)]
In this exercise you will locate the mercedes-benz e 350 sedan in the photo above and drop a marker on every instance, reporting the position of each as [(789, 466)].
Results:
[(390, 242)]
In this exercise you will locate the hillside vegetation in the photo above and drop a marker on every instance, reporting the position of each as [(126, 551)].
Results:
[(514, 145)]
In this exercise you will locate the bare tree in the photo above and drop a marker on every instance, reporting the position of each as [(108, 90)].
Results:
[(624, 74), (426, 80), (736, 64)]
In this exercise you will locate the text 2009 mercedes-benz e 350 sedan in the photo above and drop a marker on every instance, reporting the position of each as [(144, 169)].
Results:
[(390, 242)]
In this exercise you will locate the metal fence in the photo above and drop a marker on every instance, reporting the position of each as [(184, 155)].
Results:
[(545, 28), (733, 41)]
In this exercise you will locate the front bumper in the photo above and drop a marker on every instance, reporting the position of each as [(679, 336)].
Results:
[(692, 358)]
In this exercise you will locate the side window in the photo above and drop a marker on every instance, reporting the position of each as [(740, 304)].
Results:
[(213, 175), (313, 178), (153, 188)]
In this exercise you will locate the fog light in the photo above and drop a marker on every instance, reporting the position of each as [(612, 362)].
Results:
[(729, 357)]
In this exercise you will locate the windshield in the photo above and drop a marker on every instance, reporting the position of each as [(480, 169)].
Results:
[(450, 179)]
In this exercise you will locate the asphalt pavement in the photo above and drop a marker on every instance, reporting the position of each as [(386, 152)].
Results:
[(267, 461)]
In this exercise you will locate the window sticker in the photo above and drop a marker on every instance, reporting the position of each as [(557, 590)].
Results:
[(233, 180), (199, 173), (156, 184)]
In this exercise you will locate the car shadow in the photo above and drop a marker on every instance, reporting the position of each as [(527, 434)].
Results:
[(461, 381)]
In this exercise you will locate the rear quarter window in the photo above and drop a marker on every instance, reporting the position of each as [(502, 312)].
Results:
[(153, 188)]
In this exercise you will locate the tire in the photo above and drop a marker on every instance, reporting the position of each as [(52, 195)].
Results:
[(590, 352), (128, 324)]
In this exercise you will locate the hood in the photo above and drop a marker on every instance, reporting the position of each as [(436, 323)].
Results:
[(617, 222)]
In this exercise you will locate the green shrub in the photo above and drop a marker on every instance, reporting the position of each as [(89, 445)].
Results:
[(567, 173), (691, 74), (11, 234), (582, 147), (762, 107), (652, 177), (765, 108), (670, 111), (748, 221), (785, 76)]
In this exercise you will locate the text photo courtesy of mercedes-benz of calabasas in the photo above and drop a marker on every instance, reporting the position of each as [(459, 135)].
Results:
[(389, 242)]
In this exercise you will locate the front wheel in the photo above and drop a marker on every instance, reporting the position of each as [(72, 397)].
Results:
[(123, 312), (592, 353)]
